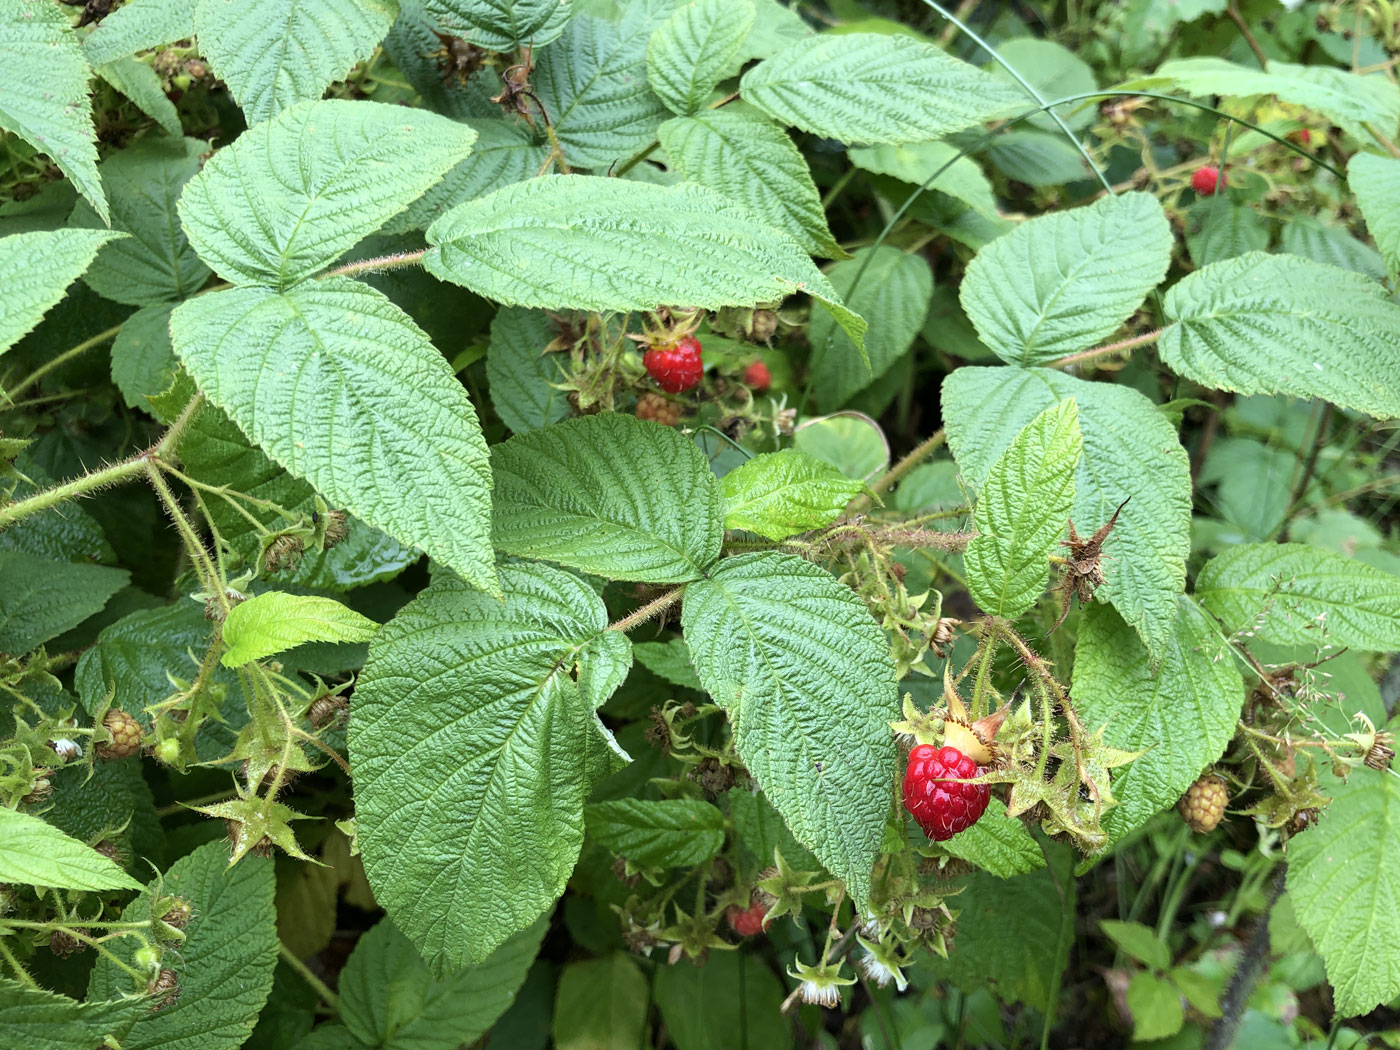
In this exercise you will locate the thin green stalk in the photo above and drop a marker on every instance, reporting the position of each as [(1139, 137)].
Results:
[(62, 359), (199, 556), (317, 985), (1064, 886), (81, 486), (917, 455), (21, 974), (396, 261)]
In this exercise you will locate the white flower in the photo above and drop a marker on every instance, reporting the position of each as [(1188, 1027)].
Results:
[(882, 964), (821, 984), (66, 749)]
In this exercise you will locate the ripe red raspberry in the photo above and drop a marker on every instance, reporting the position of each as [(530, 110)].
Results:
[(748, 921), (942, 806), (125, 733), (1204, 804), (758, 377), (1205, 179), (676, 366), (658, 409)]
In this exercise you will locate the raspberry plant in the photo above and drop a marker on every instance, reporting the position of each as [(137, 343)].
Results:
[(702, 523)]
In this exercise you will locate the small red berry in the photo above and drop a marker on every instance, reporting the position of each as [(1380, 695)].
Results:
[(748, 921), (1205, 179), (1302, 136), (758, 377), (942, 806), (677, 366)]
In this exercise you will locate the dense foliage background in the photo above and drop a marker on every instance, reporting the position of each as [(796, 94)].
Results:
[(405, 644)]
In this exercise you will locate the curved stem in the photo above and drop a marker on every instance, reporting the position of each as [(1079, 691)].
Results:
[(1110, 348), (917, 455), (317, 985), (62, 359)]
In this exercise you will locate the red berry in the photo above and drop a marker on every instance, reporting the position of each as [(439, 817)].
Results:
[(1204, 179), (942, 806), (677, 366), (758, 377), (1302, 136), (747, 921)]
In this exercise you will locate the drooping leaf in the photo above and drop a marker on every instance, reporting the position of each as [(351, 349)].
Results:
[(1278, 324), (143, 362), (1217, 228), (503, 25), (365, 408), (998, 844), (41, 1020), (1155, 1006), (1296, 594), (1130, 452), (1139, 942), (1344, 881), (275, 621), (750, 159), (600, 1003), (1376, 182), (611, 495), (36, 268), (779, 494), (140, 83), (703, 1005), (521, 374), (806, 677), (41, 598), (695, 49), (292, 194), (137, 26), (669, 660), (1061, 282), (472, 745), (1183, 716), (917, 162), (225, 962), (276, 53), (44, 91), (672, 833), (865, 88), (1037, 158), (35, 853), (1056, 72), (610, 244), (1305, 236), (1021, 512)]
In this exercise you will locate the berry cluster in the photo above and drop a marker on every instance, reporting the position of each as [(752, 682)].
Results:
[(675, 366), (934, 795)]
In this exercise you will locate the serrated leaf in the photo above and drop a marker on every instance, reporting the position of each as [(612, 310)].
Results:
[(704, 1005), (35, 853), (365, 408), (521, 374), (390, 1000), (1344, 880), (139, 82), (1130, 452), (1037, 158), (611, 495), (1139, 942), (695, 49), (1021, 512), (225, 962), (1182, 716), (64, 532), (629, 246), (156, 262), (1077, 274), (669, 660), (36, 268), (865, 88), (999, 845), (1278, 324), (275, 621), (275, 53), (291, 195), (142, 359), (779, 494), (807, 680), (41, 598), (1056, 72), (600, 1003), (1309, 238), (917, 162), (1217, 228), (503, 25), (472, 747), (593, 85), (894, 292), (1376, 182), (750, 159), (89, 804), (672, 833), (1296, 594), (41, 1020), (137, 26), (44, 91)]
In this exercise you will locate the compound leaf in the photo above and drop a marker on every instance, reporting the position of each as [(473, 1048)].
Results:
[(695, 49), (36, 268), (779, 494), (275, 621), (35, 853)]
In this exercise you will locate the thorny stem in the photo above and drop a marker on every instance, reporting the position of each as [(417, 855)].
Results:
[(396, 261), (1037, 667), (1110, 348), (652, 608), (317, 985), (199, 555), (62, 359), (20, 972)]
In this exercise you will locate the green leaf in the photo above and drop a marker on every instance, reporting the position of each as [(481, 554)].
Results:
[(139, 82), (1344, 881), (365, 408), (851, 442), (864, 88), (894, 291), (1138, 941), (669, 660), (275, 53), (1305, 236), (611, 495), (1155, 1005), (593, 84), (1182, 716), (629, 245), (1255, 484), (1277, 324), (1021, 512), (90, 804), (293, 194), (40, 1020), (1130, 452), (779, 494), (806, 677), (1217, 229), (35, 853), (1056, 72), (601, 1005), (275, 621), (521, 374), (503, 25), (155, 263), (139, 25), (704, 1005), (225, 962), (41, 598), (749, 159), (1078, 275), (999, 845), (143, 361), (917, 162), (44, 91), (1036, 158), (1295, 594), (673, 833), (390, 1000), (695, 49), (35, 268), (1376, 182), (472, 747)]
